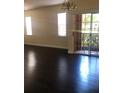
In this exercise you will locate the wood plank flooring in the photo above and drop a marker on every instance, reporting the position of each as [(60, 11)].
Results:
[(50, 70)]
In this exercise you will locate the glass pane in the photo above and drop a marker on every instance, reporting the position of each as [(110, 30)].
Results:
[(86, 17), (95, 26), (86, 26), (62, 24), (94, 42), (85, 40), (95, 17), (61, 30), (28, 25), (62, 18)]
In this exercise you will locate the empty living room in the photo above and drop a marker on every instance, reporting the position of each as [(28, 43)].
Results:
[(61, 46)]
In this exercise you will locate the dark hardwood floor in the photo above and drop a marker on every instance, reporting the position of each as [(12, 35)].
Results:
[(50, 70)]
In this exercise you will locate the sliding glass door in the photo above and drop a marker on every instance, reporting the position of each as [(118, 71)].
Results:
[(90, 34)]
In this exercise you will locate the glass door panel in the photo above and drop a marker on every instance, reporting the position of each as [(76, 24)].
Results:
[(90, 34)]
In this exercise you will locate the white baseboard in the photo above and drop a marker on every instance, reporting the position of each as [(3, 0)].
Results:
[(42, 45), (70, 52)]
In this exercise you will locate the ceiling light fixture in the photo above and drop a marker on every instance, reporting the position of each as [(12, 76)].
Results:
[(68, 5)]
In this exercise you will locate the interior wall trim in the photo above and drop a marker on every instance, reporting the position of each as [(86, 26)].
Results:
[(43, 45), (70, 52)]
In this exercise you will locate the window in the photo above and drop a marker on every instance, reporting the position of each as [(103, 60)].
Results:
[(90, 23), (62, 24), (28, 25)]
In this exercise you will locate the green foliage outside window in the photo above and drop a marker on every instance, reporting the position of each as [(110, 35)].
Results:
[(90, 28)]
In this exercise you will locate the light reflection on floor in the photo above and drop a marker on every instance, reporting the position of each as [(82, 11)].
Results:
[(62, 72), (62, 69), (89, 71), (84, 69), (31, 61), (95, 53)]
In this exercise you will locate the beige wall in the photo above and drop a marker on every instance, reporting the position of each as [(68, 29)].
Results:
[(44, 25), (44, 28)]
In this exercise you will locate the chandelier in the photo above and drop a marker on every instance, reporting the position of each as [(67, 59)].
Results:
[(68, 5)]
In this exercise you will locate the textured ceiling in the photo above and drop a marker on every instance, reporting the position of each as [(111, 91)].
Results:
[(30, 4)]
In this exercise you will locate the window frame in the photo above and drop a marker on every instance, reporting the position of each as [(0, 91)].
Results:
[(62, 24), (91, 24), (28, 25)]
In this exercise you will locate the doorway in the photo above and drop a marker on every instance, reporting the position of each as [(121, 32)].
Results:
[(88, 40)]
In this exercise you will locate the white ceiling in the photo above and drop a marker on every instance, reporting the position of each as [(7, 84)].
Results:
[(30, 4)]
